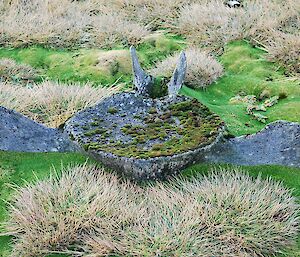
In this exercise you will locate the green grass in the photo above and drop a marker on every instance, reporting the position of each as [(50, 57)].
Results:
[(92, 65), (17, 168), (246, 70)]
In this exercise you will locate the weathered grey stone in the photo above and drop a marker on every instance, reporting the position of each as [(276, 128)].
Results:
[(278, 143), (18, 133), (144, 83)]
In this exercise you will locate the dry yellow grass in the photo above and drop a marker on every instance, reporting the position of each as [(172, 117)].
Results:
[(152, 14), (105, 24), (285, 49), (64, 23), (219, 24), (10, 70), (113, 61), (202, 68), (87, 212), (51, 103)]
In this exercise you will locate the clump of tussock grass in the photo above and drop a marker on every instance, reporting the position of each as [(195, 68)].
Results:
[(51, 103), (202, 68), (209, 28), (87, 212), (223, 214), (153, 14), (52, 215), (285, 49), (218, 24), (12, 71), (292, 24), (64, 24)]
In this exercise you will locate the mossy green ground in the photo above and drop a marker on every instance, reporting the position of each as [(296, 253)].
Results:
[(93, 65), (17, 168), (246, 70)]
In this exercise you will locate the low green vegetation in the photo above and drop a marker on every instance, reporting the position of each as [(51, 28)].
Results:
[(112, 110), (93, 65), (247, 73)]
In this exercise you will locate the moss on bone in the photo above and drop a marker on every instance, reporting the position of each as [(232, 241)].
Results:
[(112, 110), (95, 123), (185, 126), (95, 132)]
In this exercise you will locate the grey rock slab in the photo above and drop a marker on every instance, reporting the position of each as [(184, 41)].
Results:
[(20, 134), (278, 143)]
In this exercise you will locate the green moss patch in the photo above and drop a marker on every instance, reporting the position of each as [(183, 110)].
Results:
[(112, 110)]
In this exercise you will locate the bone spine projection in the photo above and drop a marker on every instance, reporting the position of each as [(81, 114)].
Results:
[(143, 82)]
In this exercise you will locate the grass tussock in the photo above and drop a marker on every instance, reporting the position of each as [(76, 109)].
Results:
[(51, 103), (218, 24), (69, 210), (64, 24), (86, 212), (202, 68), (12, 71), (151, 14), (285, 50)]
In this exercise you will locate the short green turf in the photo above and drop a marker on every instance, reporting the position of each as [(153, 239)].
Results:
[(247, 71)]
